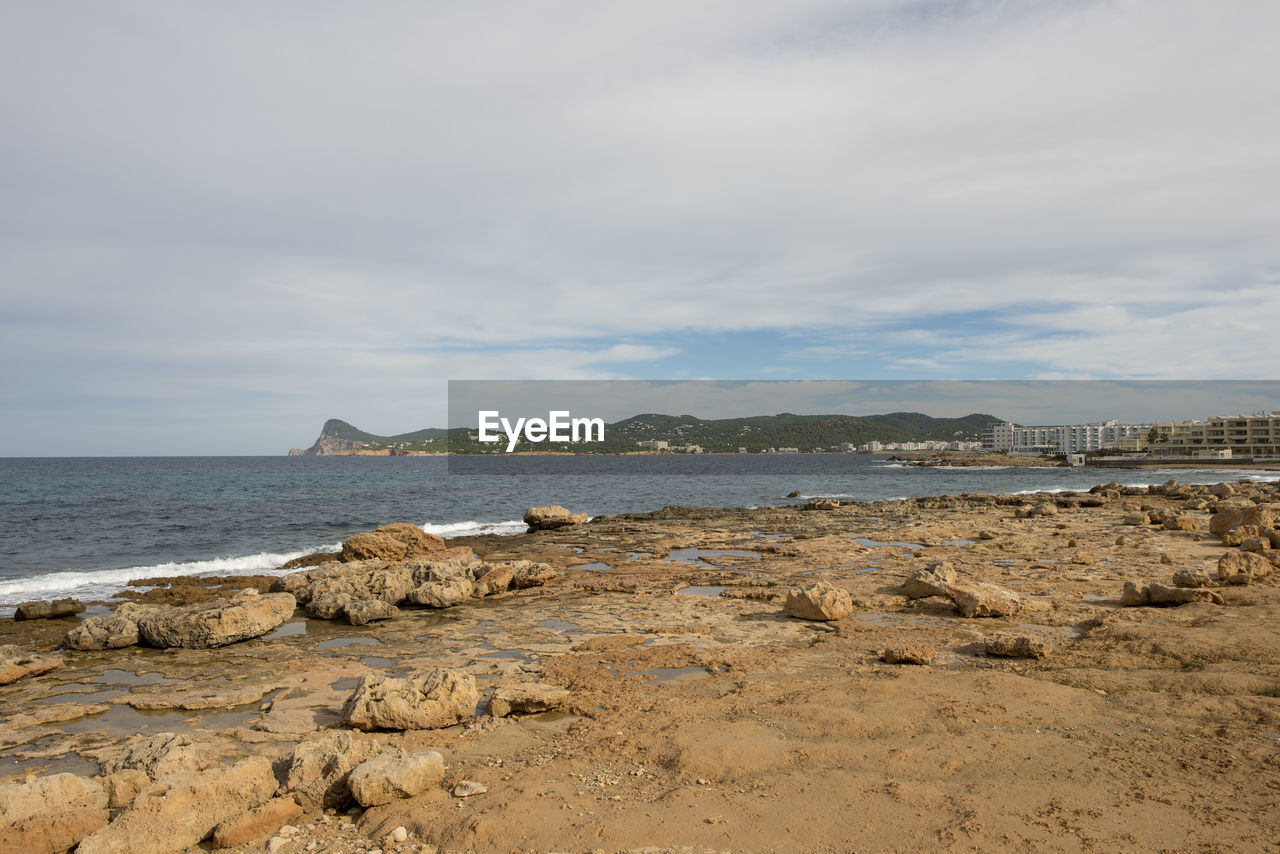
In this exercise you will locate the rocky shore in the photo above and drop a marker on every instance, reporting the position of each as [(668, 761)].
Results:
[(1062, 671)]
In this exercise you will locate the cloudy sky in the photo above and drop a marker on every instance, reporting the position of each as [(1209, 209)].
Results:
[(222, 223)]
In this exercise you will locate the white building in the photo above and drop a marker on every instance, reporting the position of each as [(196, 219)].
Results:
[(1059, 438)]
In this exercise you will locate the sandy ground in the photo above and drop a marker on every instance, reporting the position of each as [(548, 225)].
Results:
[(700, 722)]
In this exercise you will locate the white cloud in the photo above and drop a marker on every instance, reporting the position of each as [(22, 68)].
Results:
[(280, 198)]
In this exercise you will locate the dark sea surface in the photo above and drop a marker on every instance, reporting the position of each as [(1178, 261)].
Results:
[(85, 526)]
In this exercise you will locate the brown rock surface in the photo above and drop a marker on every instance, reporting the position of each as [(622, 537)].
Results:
[(394, 776), (16, 664), (171, 817), (48, 610), (438, 698), (206, 625), (552, 517), (319, 769), (256, 824)]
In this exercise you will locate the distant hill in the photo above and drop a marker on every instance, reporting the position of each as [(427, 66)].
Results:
[(723, 435)]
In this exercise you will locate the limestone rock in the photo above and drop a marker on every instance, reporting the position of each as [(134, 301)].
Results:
[(1136, 519), (978, 599), (166, 818), (526, 698), (820, 601), (256, 824), (50, 814), (930, 581), (319, 770), (116, 631), (1192, 578), (159, 756), (48, 610), (439, 698), (1181, 522), (1142, 593), (212, 624), (357, 612), (1233, 514), (123, 786), (527, 574), (916, 653), (393, 542), (495, 580), (394, 776), (442, 594), (467, 788), (15, 664), (1242, 567), (1256, 544), (317, 559), (1016, 646), (551, 517)]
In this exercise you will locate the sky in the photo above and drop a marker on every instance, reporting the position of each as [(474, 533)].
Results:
[(223, 223)]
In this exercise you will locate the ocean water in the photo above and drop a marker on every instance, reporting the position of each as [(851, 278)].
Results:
[(86, 526)]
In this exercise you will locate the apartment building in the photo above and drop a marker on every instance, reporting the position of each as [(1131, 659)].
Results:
[(1059, 438), (1255, 435)]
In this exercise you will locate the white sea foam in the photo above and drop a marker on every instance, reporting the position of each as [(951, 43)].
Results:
[(103, 583), (472, 528)]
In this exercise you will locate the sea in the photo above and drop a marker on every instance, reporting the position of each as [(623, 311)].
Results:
[(86, 527)]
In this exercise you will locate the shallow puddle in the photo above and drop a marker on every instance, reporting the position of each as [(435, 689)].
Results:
[(128, 677), (673, 674), (700, 590), (690, 555), (290, 629), (377, 662), (346, 683), (594, 566), (336, 643), (866, 541), (71, 763), (560, 626)]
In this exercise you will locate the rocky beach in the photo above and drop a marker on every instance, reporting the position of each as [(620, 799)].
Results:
[(1064, 671)]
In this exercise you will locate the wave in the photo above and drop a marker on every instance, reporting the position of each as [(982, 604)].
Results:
[(103, 583), (472, 528)]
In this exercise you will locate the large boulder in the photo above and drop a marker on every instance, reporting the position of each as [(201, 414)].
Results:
[(394, 776), (819, 601), (527, 574), (442, 594), (171, 817), (526, 698), (211, 624), (318, 772), (930, 581), (1151, 593), (1242, 567), (439, 698), (978, 599), (551, 517), (357, 612), (1233, 514), (496, 579), (256, 824), (49, 815), (159, 756), (393, 542), (16, 664), (364, 579), (116, 631), (48, 610)]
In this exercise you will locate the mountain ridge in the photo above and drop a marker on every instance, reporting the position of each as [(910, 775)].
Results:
[(722, 435)]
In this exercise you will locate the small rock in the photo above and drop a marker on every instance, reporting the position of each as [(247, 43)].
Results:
[(526, 698), (48, 610), (400, 834), (1016, 646), (467, 788), (917, 653), (394, 776), (820, 601)]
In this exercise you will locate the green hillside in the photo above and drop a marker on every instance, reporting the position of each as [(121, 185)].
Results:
[(725, 435)]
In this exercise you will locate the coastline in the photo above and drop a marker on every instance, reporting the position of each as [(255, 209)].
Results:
[(717, 698)]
